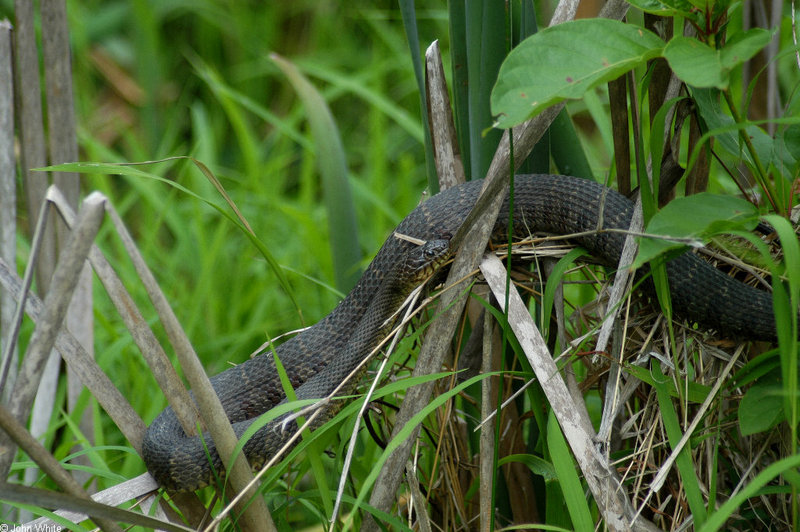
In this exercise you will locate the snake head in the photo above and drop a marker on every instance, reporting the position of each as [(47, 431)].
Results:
[(424, 260)]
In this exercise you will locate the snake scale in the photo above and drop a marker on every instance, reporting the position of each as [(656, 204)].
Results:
[(319, 358)]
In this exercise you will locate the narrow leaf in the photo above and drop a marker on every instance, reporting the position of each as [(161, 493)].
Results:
[(343, 228), (686, 470), (538, 466), (51, 499), (131, 170), (564, 465)]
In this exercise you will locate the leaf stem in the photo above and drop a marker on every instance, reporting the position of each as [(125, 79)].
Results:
[(760, 172)]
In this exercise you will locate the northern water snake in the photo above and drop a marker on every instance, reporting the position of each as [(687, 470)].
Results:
[(546, 203)]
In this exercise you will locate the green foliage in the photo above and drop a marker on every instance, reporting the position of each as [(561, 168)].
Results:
[(157, 79), (692, 220), (333, 170), (563, 62), (683, 461), (665, 8), (762, 406), (164, 79), (786, 466), (575, 59), (694, 392), (537, 465), (554, 279), (236, 112), (486, 47), (700, 65), (568, 480)]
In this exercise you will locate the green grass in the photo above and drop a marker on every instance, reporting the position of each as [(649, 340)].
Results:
[(196, 79), (266, 161), (208, 89)]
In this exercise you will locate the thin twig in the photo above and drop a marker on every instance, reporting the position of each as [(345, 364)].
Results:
[(52, 317)]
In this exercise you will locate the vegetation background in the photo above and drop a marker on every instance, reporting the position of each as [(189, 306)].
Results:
[(158, 79), (161, 78)]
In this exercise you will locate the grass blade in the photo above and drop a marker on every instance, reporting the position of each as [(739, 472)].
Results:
[(343, 229), (410, 25), (486, 49), (684, 460), (127, 169), (567, 477)]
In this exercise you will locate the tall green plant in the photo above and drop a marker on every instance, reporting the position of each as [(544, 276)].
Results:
[(568, 61)]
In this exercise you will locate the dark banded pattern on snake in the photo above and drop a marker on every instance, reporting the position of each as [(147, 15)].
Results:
[(542, 203)]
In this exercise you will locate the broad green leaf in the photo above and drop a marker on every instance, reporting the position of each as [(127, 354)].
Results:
[(786, 151), (743, 46), (791, 140), (694, 219), (761, 407), (565, 61), (664, 8), (700, 65), (695, 63), (726, 131)]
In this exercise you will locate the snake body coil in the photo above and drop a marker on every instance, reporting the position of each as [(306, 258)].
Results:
[(323, 355)]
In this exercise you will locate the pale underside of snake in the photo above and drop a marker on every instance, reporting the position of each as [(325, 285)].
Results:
[(318, 359)]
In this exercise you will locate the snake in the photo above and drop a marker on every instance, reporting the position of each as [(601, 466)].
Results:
[(321, 357)]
